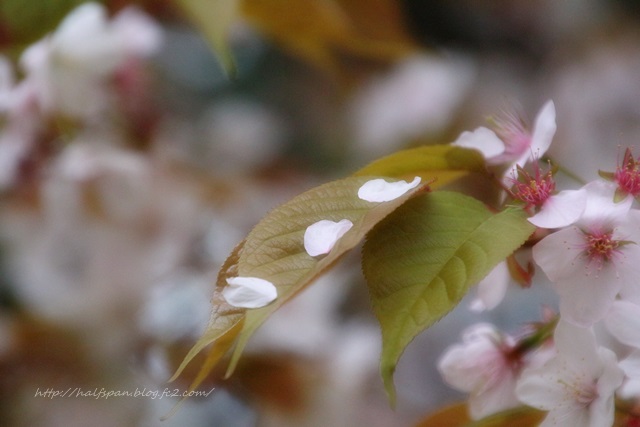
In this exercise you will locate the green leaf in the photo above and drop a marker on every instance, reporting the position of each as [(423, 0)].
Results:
[(214, 18), (442, 163), (274, 251), (421, 261), (28, 21)]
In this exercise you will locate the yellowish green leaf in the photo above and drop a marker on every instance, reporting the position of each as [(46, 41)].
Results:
[(214, 18), (326, 32), (422, 260), (441, 164), (274, 251)]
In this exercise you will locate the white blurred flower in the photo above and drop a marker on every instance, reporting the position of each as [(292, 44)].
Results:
[(482, 366), (419, 96), (242, 135), (577, 386), (177, 307), (378, 190), (249, 292), (321, 237), (70, 69)]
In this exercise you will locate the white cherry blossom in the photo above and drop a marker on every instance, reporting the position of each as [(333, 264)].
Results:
[(577, 386), (481, 366), (512, 143), (592, 261), (379, 190), (249, 292), (321, 237), (68, 70)]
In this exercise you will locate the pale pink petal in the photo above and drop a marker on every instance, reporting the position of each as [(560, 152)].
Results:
[(559, 253), (600, 207), (483, 140), (320, 238), (561, 209), (585, 300), (249, 292), (544, 128), (623, 321), (379, 190), (492, 289), (631, 365)]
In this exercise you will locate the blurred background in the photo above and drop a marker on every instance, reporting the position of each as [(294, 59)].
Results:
[(141, 140)]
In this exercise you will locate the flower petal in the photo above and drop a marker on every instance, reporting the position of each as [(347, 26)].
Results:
[(319, 238), (492, 289), (483, 140), (558, 253), (586, 299), (379, 190), (544, 128), (623, 321), (561, 209), (249, 292)]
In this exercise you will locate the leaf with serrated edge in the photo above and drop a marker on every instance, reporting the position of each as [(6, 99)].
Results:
[(274, 251), (441, 164), (422, 260)]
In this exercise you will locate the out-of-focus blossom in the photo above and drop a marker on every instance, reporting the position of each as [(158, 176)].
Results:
[(69, 70), (419, 96), (378, 190), (513, 143), (242, 135), (482, 366), (577, 386), (492, 289), (321, 237), (177, 308), (249, 292), (593, 260)]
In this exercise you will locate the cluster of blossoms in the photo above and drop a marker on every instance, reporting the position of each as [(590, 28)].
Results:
[(590, 253), (90, 68)]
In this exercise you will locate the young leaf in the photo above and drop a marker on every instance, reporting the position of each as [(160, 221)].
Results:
[(421, 261), (213, 18), (442, 163), (274, 251)]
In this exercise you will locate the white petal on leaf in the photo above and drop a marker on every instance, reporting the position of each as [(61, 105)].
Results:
[(483, 140), (249, 292), (379, 190), (320, 237)]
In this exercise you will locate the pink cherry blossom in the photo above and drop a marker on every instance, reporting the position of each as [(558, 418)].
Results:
[(481, 365), (592, 261), (537, 192), (513, 143), (576, 386)]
